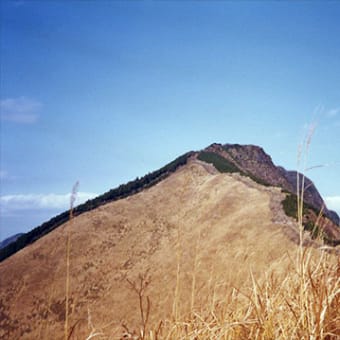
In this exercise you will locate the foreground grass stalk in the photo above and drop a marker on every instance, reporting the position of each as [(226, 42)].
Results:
[(67, 285), (139, 288), (193, 283), (68, 249), (177, 288)]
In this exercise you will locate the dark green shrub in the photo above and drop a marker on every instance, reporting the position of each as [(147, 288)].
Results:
[(219, 162), (290, 205)]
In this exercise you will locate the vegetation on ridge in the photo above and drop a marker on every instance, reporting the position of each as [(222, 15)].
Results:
[(289, 205), (219, 162), (224, 165)]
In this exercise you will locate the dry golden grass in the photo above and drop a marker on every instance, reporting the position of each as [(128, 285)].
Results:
[(303, 302), (297, 298), (185, 259)]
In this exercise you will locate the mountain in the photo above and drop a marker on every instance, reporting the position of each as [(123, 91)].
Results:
[(198, 225), (9, 240), (249, 160)]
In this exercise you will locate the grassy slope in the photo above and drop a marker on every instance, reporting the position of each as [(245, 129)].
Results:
[(202, 217), (122, 191), (211, 266)]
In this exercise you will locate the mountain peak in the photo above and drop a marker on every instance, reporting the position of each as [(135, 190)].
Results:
[(254, 162)]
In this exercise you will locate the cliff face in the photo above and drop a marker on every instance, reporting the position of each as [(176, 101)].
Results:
[(311, 194), (252, 160)]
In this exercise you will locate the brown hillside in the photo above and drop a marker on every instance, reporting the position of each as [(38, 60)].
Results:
[(209, 227)]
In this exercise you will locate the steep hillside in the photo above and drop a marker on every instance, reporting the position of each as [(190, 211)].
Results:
[(194, 222), (122, 191), (248, 160)]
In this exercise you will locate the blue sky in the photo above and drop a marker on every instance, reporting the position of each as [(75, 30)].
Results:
[(105, 91)]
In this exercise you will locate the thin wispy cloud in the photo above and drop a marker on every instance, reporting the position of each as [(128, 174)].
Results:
[(21, 110), (11, 203), (333, 112), (3, 174), (6, 176), (333, 203)]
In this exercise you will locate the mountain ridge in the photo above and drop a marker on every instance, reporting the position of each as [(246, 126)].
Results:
[(250, 160)]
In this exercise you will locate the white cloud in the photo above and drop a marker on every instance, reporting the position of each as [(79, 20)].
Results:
[(333, 203), (10, 203), (21, 110)]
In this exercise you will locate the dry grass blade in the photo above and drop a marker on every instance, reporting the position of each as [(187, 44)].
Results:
[(68, 249)]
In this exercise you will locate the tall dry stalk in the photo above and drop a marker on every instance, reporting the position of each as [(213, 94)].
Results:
[(194, 273), (175, 306), (73, 198), (139, 287)]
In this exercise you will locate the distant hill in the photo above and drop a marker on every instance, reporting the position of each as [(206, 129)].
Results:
[(9, 240)]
